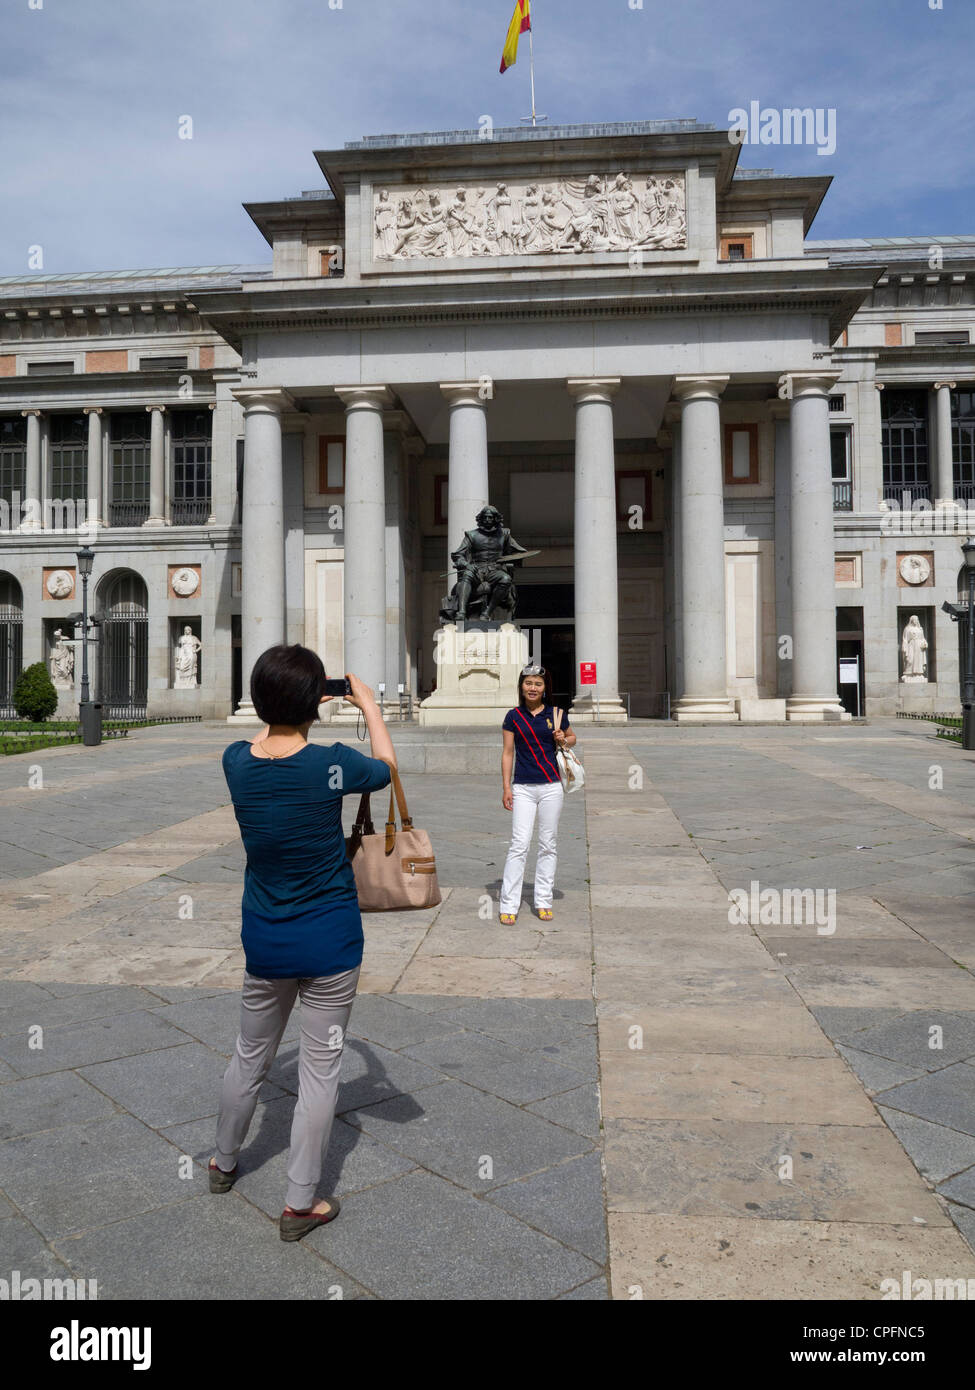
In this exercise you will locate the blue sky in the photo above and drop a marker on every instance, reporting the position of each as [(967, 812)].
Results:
[(93, 171)]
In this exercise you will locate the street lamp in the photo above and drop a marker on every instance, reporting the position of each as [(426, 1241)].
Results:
[(958, 611), (91, 724)]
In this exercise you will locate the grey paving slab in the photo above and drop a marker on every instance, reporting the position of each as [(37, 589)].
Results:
[(420, 1238), (84, 1043), (211, 1247), (565, 1202), (452, 1128), (15, 994), (353, 1160), (432, 1003), (944, 1097), (494, 1066), (163, 1088), (215, 1020), (961, 1188), (44, 1103), (87, 1175), (964, 1219), (877, 1073), (909, 1039), (844, 1024), (937, 1152), (577, 1109), (386, 1020), (580, 1051), (22, 1248), (520, 1023), (596, 1290), (369, 1074)]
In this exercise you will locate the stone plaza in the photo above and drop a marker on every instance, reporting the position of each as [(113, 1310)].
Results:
[(649, 1096)]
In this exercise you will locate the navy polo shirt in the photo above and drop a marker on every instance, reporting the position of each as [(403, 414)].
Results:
[(300, 913), (535, 743)]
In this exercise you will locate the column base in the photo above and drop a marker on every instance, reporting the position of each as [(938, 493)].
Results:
[(815, 709), (155, 521), (245, 714), (691, 709), (599, 710)]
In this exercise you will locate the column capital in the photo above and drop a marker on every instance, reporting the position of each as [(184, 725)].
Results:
[(951, 385), (699, 388), (270, 400), (376, 398), (32, 411), (584, 390), (92, 410), (468, 392), (803, 385), (151, 408)]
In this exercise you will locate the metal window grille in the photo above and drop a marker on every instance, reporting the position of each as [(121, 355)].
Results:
[(904, 436), (11, 642), (69, 456), (13, 460), (963, 444), (191, 467), (129, 456), (123, 650)]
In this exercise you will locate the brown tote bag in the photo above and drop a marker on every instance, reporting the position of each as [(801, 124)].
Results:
[(394, 870)]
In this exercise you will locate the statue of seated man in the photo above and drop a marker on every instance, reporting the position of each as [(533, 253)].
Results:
[(484, 588)]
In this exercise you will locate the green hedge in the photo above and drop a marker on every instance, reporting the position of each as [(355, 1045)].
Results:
[(10, 746)]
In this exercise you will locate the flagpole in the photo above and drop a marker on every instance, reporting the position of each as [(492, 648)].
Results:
[(531, 63)]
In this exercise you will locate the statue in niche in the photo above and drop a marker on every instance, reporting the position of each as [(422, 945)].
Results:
[(914, 651), (386, 224), (188, 650), (485, 589), (62, 662)]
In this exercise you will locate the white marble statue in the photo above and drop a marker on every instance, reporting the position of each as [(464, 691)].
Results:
[(188, 650), (523, 218), (62, 662), (914, 651)]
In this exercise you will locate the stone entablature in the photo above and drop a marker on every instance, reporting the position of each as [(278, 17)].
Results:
[(530, 217)]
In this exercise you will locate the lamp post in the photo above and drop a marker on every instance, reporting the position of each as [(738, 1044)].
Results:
[(966, 611), (90, 715)]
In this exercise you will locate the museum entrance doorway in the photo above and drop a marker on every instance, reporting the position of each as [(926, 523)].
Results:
[(546, 612), (849, 659)]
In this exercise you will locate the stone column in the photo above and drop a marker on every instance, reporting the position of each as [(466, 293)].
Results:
[(944, 491), (703, 617), (467, 485), (596, 571), (814, 695), (33, 515), (364, 581), (262, 535), (157, 468), (97, 512)]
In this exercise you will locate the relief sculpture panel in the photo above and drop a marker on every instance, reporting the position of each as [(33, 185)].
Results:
[(600, 213)]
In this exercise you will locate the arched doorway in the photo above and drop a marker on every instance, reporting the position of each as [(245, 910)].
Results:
[(123, 646), (11, 641)]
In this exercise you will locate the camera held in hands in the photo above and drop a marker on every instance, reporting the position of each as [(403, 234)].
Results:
[(338, 687)]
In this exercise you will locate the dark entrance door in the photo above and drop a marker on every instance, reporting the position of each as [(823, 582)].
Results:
[(11, 642), (849, 646), (123, 655)]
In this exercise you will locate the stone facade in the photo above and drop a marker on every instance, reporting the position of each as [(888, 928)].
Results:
[(743, 454)]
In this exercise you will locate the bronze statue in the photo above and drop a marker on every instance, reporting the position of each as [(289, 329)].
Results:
[(485, 589)]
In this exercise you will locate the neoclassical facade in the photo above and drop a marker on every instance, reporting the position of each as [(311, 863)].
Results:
[(744, 456)]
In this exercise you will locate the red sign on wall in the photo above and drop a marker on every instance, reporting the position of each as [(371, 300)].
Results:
[(587, 673)]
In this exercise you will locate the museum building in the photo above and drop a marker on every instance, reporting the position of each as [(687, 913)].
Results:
[(744, 458)]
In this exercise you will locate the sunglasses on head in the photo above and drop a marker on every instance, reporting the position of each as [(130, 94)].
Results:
[(533, 671)]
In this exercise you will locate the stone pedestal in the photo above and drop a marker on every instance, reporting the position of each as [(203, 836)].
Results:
[(478, 665)]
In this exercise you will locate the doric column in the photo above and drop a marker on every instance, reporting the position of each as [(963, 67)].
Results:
[(364, 583), (157, 467), (703, 621), (262, 534), (34, 511), (814, 696), (596, 577), (94, 470), (944, 464), (467, 482)]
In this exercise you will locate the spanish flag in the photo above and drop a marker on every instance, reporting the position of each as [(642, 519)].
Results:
[(521, 22)]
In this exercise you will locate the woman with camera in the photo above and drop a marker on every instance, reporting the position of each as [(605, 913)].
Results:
[(301, 925), (531, 742)]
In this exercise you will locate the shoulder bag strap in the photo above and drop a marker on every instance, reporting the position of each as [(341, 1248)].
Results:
[(406, 821)]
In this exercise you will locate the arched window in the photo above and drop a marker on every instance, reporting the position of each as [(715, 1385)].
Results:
[(123, 651), (11, 641)]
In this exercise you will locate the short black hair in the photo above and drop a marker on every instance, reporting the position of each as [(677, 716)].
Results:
[(287, 684), (546, 677)]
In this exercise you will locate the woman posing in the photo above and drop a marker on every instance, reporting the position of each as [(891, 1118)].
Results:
[(301, 925), (531, 742)]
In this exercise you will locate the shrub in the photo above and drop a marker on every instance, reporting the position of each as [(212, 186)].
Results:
[(34, 693)]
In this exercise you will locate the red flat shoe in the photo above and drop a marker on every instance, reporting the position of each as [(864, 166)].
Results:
[(295, 1224)]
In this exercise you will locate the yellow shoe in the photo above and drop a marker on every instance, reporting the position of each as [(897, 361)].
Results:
[(546, 914), (508, 919)]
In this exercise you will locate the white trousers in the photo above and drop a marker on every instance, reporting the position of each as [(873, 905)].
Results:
[(547, 799)]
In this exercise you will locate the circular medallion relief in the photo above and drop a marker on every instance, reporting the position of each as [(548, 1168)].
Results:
[(60, 583), (915, 569), (185, 582)]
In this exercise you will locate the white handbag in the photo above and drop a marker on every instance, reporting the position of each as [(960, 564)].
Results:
[(571, 771)]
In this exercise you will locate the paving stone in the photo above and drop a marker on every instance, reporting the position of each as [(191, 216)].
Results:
[(519, 1022), (944, 1097), (420, 1238), (844, 1024), (595, 1290), (90, 1174), (384, 1019), (215, 1020), (47, 1102), (163, 1088), (368, 1074), (450, 1127), (964, 1219), (55, 1012), (937, 1151), (494, 1066), (209, 1248), (961, 1188), (907, 1039), (25, 1250), (432, 1003), (877, 1073), (577, 1110), (566, 1202), (17, 993), (97, 1041)]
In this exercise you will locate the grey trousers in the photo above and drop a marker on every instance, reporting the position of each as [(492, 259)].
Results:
[(326, 1003)]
